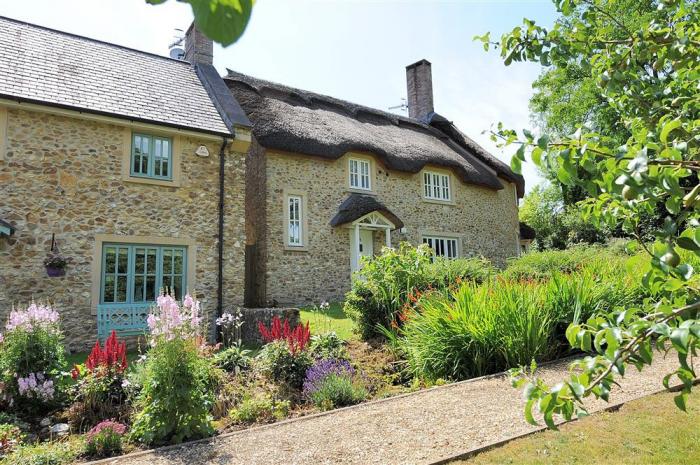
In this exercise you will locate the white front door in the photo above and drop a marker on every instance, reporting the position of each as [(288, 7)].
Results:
[(366, 248)]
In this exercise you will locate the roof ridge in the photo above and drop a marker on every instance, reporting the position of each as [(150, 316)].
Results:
[(359, 106), (90, 39)]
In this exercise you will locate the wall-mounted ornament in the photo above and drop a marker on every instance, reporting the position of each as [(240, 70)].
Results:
[(54, 262), (202, 151)]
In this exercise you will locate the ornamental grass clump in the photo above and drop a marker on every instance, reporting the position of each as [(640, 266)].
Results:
[(32, 358), (178, 380), (331, 384)]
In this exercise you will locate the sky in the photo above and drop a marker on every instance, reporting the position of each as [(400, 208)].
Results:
[(349, 49)]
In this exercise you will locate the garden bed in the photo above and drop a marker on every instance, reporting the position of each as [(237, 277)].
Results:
[(413, 316)]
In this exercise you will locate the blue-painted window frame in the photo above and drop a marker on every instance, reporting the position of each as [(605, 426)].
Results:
[(151, 158), (164, 279)]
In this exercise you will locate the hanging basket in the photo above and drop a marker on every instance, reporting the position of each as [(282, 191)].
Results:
[(55, 272)]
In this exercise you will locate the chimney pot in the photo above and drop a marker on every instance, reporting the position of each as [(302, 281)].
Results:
[(199, 49), (419, 83)]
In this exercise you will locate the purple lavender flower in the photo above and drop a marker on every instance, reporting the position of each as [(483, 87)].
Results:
[(321, 370)]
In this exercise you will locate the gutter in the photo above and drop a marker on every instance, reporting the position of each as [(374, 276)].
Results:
[(220, 270)]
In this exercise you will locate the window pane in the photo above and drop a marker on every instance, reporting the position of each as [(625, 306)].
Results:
[(110, 259), (167, 261), (151, 262), (123, 261), (140, 261), (138, 289), (177, 287), (121, 289), (178, 261), (109, 288), (150, 288)]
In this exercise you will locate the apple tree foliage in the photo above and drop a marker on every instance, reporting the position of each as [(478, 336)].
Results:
[(650, 75), (223, 21)]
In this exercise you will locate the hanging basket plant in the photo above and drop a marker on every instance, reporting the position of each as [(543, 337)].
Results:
[(55, 263)]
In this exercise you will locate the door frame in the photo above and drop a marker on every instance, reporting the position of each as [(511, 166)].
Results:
[(373, 221)]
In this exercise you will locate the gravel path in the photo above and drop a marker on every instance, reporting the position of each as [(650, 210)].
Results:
[(418, 428)]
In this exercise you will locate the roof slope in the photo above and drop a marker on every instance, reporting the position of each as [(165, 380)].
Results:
[(294, 120), (46, 66)]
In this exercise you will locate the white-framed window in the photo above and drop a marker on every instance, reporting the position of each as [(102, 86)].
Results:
[(436, 186), (360, 174), (442, 246), (294, 221)]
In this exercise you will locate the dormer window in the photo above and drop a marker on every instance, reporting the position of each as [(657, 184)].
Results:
[(359, 171), (436, 186), (151, 157)]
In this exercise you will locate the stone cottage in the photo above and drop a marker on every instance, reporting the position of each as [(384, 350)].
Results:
[(148, 172), (129, 160), (329, 181)]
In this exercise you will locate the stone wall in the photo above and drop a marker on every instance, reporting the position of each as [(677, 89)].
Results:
[(62, 175), (485, 220)]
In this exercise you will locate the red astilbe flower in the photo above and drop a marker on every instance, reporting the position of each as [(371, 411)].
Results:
[(297, 338), (110, 359)]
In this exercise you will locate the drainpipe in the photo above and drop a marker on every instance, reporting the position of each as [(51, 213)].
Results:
[(220, 288)]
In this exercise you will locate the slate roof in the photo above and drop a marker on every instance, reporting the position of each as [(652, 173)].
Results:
[(46, 66), (294, 120), (357, 205)]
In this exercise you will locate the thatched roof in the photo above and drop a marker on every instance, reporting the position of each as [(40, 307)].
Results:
[(357, 205), (527, 232), (295, 120), (446, 126)]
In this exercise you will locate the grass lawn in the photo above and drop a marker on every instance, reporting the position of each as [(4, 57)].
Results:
[(334, 320), (645, 431)]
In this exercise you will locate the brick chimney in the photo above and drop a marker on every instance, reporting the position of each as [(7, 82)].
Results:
[(198, 47), (419, 82)]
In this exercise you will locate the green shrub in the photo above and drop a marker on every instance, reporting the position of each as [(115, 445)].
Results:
[(283, 366), (540, 265), (260, 409), (177, 394), (337, 390), (443, 272), (46, 453), (328, 345), (234, 359), (384, 282)]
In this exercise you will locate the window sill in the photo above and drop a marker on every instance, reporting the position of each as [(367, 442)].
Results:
[(153, 182), (354, 190), (296, 248), (439, 202)]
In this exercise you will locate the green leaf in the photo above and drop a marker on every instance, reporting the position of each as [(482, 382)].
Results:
[(528, 413), (516, 165), (679, 400), (549, 420), (667, 128), (688, 244), (679, 339), (223, 21)]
